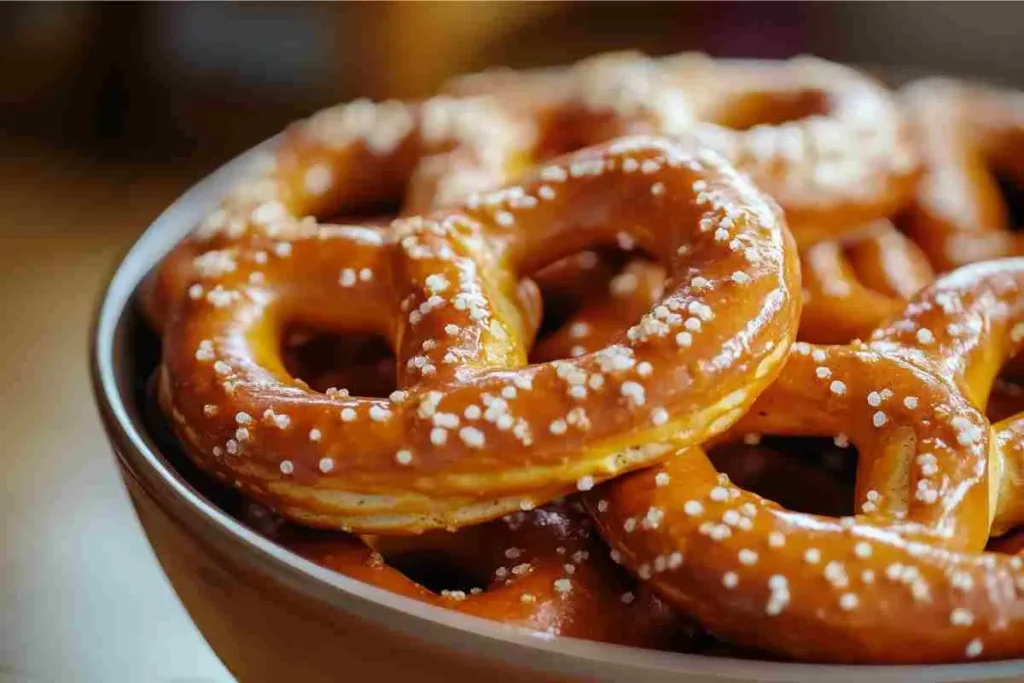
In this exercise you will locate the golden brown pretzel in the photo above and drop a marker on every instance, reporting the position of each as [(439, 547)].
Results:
[(355, 156), (852, 286), (828, 143), (450, 447), (966, 133), (902, 580), (545, 569)]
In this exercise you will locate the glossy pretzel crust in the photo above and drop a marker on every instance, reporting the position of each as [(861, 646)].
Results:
[(473, 434)]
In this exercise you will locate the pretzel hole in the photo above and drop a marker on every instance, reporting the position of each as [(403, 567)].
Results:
[(1010, 543), (808, 475), (361, 363), (571, 284), (435, 570), (379, 212), (1012, 191), (771, 108)]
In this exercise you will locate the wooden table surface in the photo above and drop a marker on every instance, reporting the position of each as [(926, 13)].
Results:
[(81, 595)]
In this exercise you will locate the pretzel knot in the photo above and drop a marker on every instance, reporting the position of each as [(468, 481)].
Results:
[(903, 581), (966, 133), (473, 433)]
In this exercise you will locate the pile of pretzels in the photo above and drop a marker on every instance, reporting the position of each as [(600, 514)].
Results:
[(507, 325)]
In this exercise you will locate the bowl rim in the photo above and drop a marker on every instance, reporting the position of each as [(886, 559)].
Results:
[(141, 459)]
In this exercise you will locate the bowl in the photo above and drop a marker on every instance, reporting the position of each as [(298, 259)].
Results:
[(272, 616)]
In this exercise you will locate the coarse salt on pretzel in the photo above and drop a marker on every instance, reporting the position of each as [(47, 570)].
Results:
[(851, 286), (827, 142), (546, 570), (966, 133), (904, 580), (471, 433)]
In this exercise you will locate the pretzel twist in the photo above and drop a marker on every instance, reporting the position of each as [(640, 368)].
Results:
[(903, 581), (828, 143), (965, 133), (472, 434), (851, 286)]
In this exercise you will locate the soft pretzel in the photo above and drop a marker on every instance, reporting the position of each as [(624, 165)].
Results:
[(472, 433), (545, 569), (352, 157), (902, 581), (966, 133), (853, 285), (827, 142)]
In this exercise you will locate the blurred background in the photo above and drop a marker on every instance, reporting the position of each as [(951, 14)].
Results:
[(109, 111)]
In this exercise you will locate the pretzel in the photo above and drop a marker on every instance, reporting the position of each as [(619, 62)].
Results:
[(852, 286), (472, 434), (903, 581), (421, 156), (965, 131), (352, 157), (828, 143), (545, 570)]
